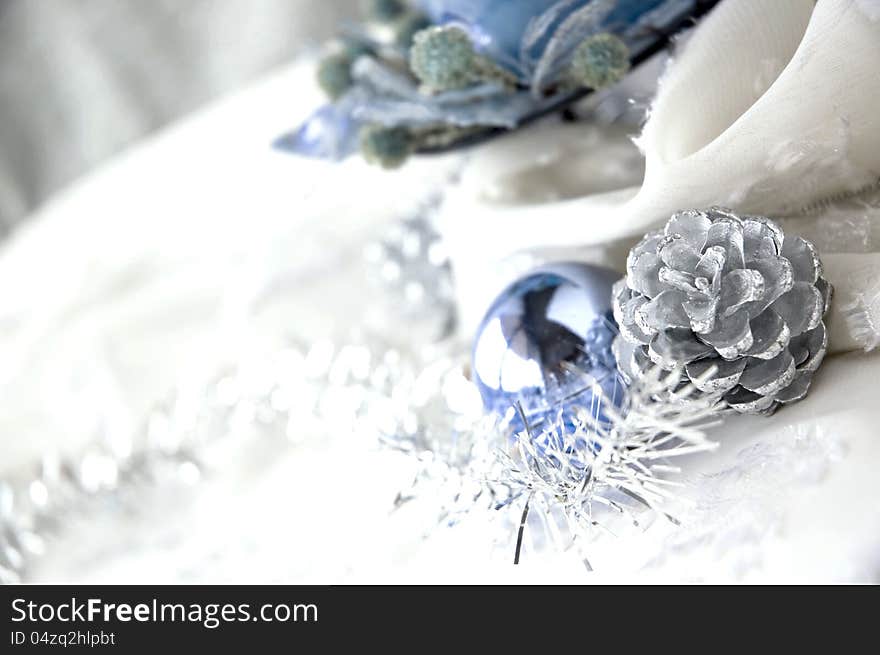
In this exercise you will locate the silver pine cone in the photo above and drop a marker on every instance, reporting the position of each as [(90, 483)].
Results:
[(729, 301)]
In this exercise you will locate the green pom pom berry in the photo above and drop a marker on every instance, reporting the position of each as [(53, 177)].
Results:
[(389, 147), (334, 74), (444, 59), (600, 61)]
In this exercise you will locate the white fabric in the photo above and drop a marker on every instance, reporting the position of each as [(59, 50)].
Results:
[(169, 261)]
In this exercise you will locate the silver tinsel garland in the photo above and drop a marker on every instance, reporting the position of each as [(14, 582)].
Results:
[(409, 397), (553, 488), (362, 384)]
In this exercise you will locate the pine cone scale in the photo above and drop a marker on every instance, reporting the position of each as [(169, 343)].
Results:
[(767, 377), (732, 335), (726, 236), (804, 259), (801, 308), (770, 335)]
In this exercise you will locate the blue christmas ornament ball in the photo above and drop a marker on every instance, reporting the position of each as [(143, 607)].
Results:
[(542, 339)]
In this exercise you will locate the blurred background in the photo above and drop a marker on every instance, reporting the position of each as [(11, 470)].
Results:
[(82, 79)]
